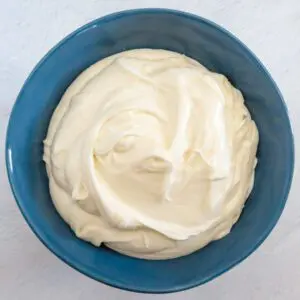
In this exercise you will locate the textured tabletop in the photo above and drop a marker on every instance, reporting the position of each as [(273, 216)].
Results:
[(28, 28)]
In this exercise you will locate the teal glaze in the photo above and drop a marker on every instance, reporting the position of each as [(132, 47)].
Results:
[(219, 51)]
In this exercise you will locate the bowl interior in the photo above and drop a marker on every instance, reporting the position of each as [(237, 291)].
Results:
[(218, 51)]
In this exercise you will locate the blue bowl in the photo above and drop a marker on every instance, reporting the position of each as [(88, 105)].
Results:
[(219, 51)]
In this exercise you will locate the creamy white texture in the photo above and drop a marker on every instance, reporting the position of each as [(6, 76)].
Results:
[(151, 154)]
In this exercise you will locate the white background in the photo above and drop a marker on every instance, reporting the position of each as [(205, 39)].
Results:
[(28, 28)]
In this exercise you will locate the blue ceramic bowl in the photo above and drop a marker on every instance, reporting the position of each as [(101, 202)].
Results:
[(219, 51)]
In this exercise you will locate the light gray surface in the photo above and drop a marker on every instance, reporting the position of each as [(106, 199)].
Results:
[(28, 28)]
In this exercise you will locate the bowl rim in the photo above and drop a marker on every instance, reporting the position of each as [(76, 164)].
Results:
[(75, 264)]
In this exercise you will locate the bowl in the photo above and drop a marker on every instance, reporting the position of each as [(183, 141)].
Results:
[(219, 51)]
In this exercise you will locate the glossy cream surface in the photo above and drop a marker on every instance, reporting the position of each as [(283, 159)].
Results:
[(151, 153)]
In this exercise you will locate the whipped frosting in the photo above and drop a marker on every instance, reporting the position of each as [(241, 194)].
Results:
[(151, 153)]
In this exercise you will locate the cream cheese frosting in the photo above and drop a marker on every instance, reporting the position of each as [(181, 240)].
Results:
[(151, 153)]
